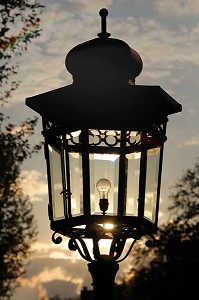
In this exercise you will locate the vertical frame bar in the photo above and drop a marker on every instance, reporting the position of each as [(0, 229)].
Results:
[(122, 184), (142, 179), (46, 155), (64, 190), (159, 177), (67, 199), (86, 173)]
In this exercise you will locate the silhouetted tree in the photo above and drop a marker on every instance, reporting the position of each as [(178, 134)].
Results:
[(17, 225), (57, 297), (170, 270), (19, 25)]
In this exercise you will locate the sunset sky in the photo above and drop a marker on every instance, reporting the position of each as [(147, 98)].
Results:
[(166, 35)]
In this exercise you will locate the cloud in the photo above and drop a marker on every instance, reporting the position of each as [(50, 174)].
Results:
[(26, 292), (46, 289), (34, 185), (46, 275), (50, 276), (191, 142), (42, 293), (93, 6), (177, 7), (50, 250), (163, 50), (55, 271), (65, 290)]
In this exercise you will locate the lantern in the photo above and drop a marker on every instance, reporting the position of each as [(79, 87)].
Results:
[(104, 139)]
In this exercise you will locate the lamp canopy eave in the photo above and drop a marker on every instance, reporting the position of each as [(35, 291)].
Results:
[(91, 107)]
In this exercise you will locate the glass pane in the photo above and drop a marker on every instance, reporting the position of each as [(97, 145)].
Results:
[(153, 157), (104, 166), (75, 161), (133, 173), (56, 183)]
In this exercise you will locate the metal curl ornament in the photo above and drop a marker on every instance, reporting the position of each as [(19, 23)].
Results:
[(73, 246), (128, 252), (56, 240), (133, 140), (107, 137), (150, 243), (95, 134)]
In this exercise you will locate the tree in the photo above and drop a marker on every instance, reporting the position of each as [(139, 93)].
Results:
[(17, 225), (185, 197), (19, 25), (57, 297), (170, 270)]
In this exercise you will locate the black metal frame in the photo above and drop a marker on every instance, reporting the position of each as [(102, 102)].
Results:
[(125, 226), (117, 244)]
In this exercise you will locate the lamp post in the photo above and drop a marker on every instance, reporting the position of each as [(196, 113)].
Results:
[(104, 139)]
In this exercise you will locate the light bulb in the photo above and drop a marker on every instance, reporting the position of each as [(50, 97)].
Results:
[(103, 186)]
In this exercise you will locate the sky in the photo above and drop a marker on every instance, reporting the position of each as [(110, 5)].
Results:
[(166, 35)]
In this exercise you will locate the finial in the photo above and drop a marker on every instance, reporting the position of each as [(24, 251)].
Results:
[(103, 14)]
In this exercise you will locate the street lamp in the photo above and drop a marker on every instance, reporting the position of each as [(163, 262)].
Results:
[(104, 139)]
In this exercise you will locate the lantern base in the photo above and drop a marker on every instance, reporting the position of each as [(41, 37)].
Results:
[(103, 272), (116, 248)]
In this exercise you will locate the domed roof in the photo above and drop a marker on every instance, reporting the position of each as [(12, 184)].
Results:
[(102, 58)]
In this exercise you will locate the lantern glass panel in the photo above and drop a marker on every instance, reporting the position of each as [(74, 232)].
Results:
[(76, 184), (153, 159), (56, 183), (133, 173), (104, 166)]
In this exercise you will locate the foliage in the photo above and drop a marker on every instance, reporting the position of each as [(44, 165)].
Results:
[(57, 297), (185, 197), (19, 25), (170, 270), (17, 225)]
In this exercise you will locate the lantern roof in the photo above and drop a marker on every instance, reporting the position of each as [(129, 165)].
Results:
[(96, 107), (103, 94), (102, 59)]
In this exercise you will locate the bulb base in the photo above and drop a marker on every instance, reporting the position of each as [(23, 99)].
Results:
[(103, 204)]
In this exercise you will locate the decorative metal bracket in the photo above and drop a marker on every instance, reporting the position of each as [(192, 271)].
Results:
[(73, 245), (116, 248), (56, 240)]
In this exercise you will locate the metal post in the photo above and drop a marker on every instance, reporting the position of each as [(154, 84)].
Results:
[(103, 272)]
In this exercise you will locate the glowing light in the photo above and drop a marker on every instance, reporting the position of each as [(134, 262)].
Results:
[(103, 186), (104, 245), (135, 155), (108, 226), (110, 157)]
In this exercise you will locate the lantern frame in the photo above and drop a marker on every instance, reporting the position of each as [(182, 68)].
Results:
[(127, 225)]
